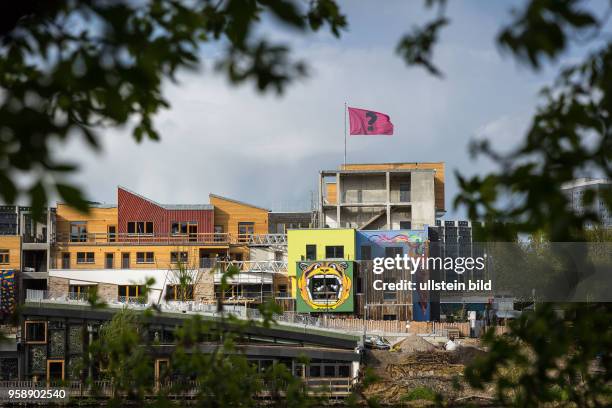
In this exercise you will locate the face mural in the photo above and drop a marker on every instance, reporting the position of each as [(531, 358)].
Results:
[(325, 286)]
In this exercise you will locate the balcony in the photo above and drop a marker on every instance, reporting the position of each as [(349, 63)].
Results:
[(210, 239)]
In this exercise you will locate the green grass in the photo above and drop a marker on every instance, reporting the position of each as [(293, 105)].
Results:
[(419, 393)]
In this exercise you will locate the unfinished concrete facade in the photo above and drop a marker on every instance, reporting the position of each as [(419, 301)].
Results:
[(393, 196)]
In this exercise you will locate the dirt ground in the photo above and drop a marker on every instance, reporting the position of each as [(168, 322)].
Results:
[(415, 364)]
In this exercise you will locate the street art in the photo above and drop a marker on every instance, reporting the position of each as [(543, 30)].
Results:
[(7, 292), (325, 286)]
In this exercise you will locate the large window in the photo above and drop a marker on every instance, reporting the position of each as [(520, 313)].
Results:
[(334, 252), (183, 227), (176, 257), (131, 293), (144, 257), (85, 257), (78, 231), (36, 332), (125, 260), (140, 227), (4, 256), (178, 292), (311, 252)]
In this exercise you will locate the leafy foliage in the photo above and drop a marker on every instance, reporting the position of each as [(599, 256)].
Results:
[(72, 68), (550, 358)]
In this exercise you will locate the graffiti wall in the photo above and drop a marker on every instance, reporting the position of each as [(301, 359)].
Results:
[(388, 243), (324, 286), (7, 292)]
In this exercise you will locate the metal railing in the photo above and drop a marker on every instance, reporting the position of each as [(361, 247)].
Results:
[(201, 238), (257, 266)]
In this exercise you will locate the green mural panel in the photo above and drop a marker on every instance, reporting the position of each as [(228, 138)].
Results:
[(325, 286)]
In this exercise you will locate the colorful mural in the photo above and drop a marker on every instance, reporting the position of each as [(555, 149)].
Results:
[(414, 244), (7, 292), (325, 286)]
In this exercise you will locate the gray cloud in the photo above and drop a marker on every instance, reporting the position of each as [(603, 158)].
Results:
[(268, 150)]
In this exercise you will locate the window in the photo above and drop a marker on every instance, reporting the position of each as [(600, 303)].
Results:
[(112, 233), (36, 332), (366, 253), (176, 292), (183, 227), (140, 227), (125, 260), (314, 371), (130, 293), (144, 257), (405, 225), (85, 257), (178, 257), (325, 287), (78, 231), (311, 252), (218, 233), (334, 252), (80, 291), (245, 230), (391, 252), (109, 258), (389, 317), (282, 290), (4, 256), (390, 295)]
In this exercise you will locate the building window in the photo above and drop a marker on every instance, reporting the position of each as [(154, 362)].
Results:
[(85, 257), (125, 260), (282, 291), (311, 252), (245, 230), (131, 293), (112, 233), (391, 252), (36, 332), (389, 317), (78, 231), (144, 257), (366, 253), (179, 292), (183, 227), (4, 256), (405, 225), (176, 257), (334, 252), (80, 291), (140, 227), (390, 295)]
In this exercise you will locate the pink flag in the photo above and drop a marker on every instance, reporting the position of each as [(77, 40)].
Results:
[(367, 122)]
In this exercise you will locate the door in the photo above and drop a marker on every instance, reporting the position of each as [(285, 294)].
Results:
[(193, 232), (112, 233), (55, 371), (66, 260), (108, 260), (161, 370), (125, 260)]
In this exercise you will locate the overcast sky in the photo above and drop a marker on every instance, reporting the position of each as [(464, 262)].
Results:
[(268, 150)]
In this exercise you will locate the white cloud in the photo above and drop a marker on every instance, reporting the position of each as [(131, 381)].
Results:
[(268, 150)]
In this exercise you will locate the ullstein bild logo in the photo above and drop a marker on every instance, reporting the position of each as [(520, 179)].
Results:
[(413, 264)]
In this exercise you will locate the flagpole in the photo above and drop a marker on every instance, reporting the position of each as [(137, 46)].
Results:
[(345, 110)]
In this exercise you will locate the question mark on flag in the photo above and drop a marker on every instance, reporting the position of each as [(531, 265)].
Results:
[(371, 120)]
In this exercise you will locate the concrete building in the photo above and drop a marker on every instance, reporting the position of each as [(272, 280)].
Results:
[(381, 196), (575, 191)]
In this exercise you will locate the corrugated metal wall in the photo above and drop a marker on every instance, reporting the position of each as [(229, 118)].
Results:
[(133, 208)]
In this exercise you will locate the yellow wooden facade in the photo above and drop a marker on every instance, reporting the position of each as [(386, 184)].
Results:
[(10, 245), (98, 219), (161, 255)]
